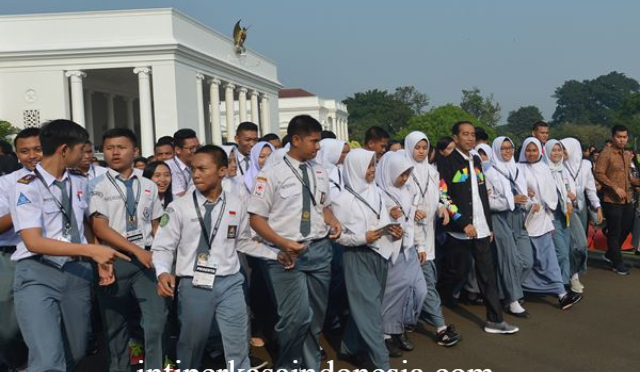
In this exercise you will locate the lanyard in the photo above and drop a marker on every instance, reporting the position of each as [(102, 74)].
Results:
[(304, 185), (348, 188), (67, 217), (422, 192), (186, 182), (205, 231), (575, 178), (131, 213), (397, 204), (514, 186), (337, 184)]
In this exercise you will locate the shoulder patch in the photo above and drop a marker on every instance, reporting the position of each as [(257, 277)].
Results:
[(22, 199), (164, 220), (27, 179)]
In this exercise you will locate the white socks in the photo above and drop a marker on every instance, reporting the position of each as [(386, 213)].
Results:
[(516, 308)]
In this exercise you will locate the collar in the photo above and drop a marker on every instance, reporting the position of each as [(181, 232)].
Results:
[(179, 162), (294, 162), (116, 175), (465, 157), (48, 177), (202, 200)]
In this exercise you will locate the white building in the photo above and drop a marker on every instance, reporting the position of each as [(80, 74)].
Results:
[(332, 114), (154, 71)]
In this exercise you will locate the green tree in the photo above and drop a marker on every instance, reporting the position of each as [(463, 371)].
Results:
[(483, 108), (519, 123), (437, 122), (587, 134), (593, 101), (376, 107), (413, 98), (6, 129)]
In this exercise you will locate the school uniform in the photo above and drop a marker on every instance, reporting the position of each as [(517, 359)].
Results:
[(95, 171), (12, 347), (180, 176), (424, 182), (52, 293), (406, 288), (204, 306), (130, 205), (360, 208), (545, 276), (295, 211), (514, 256), (244, 162)]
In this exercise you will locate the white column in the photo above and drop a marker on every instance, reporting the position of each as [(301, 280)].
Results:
[(111, 114), (200, 98), (147, 140), (77, 96), (214, 93), (255, 118), (230, 112), (242, 103), (88, 99), (130, 117), (264, 115), (345, 125)]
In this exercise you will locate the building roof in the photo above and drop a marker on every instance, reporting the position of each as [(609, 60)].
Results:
[(294, 93)]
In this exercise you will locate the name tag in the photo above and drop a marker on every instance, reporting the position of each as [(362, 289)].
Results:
[(136, 237), (205, 272), (232, 232)]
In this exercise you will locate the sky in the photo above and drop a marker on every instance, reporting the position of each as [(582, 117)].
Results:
[(520, 51)]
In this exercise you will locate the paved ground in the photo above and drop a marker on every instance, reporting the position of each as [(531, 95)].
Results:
[(600, 334)]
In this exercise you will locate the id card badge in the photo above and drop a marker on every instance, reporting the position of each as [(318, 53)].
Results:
[(204, 274), (136, 237)]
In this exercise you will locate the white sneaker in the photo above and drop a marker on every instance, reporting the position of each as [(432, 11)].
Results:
[(576, 286)]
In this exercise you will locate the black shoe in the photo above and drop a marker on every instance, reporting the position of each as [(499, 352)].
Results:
[(403, 342), (448, 337), (606, 257), (409, 328), (637, 252), (257, 363), (569, 300), (621, 269), (394, 351)]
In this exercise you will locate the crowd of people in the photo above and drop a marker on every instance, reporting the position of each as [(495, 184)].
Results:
[(273, 241)]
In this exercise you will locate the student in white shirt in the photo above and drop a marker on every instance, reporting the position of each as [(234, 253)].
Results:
[(13, 351), (125, 212), (48, 208), (406, 288), (87, 167), (202, 233), (509, 203), (367, 250), (186, 143), (258, 158), (331, 156), (289, 208), (160, 173), (545, 276), (246, 137), (425, 183)]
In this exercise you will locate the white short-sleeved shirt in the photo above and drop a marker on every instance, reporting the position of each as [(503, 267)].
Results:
[(94, 172), (243, 165), (180, 176), (7, 185), (180, 233), (108, 202), (33, 206), (277, 196)]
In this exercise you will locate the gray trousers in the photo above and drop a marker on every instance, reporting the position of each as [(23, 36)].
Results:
[(53, 307), (135, 286), (432, 306), (404, 294), (302, 295), (222, 308), (365, 276), (12, 349), (579, 246), (562, 242)]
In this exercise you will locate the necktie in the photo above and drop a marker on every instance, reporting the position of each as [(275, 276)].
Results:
[(72, 233), (246, 163), (203, 244), (132, 218), (305, 222)]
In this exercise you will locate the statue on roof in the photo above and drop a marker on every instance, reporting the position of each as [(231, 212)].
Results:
[(239, 36)]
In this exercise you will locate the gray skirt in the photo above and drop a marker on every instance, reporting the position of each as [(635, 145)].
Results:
[(545, 276)]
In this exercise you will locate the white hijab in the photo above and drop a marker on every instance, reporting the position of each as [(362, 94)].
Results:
[(557, 171), (488, 151), (574, 150), (329, 156), (254, 168), (506, 172), (230, 184), (424, 173), (276, 157), (391, 166), (537, 175)]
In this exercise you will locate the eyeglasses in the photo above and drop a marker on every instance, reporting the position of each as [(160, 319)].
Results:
[(507, 149), (191, 149)]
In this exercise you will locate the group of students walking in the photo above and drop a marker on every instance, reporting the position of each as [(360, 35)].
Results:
[(225, 243)]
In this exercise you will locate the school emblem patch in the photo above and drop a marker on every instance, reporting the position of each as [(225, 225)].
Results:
[(22, 199), (27, 179), (164, 220), (260, 188)]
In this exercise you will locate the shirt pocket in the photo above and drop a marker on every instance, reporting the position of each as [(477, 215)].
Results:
[(50, 207), (290, 192)]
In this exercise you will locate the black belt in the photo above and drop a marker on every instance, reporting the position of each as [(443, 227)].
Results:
[(10, 249)]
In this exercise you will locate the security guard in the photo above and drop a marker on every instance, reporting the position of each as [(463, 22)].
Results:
[(53, 276), (125, 211), (12, 350), (290, 209), (203, 230)]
